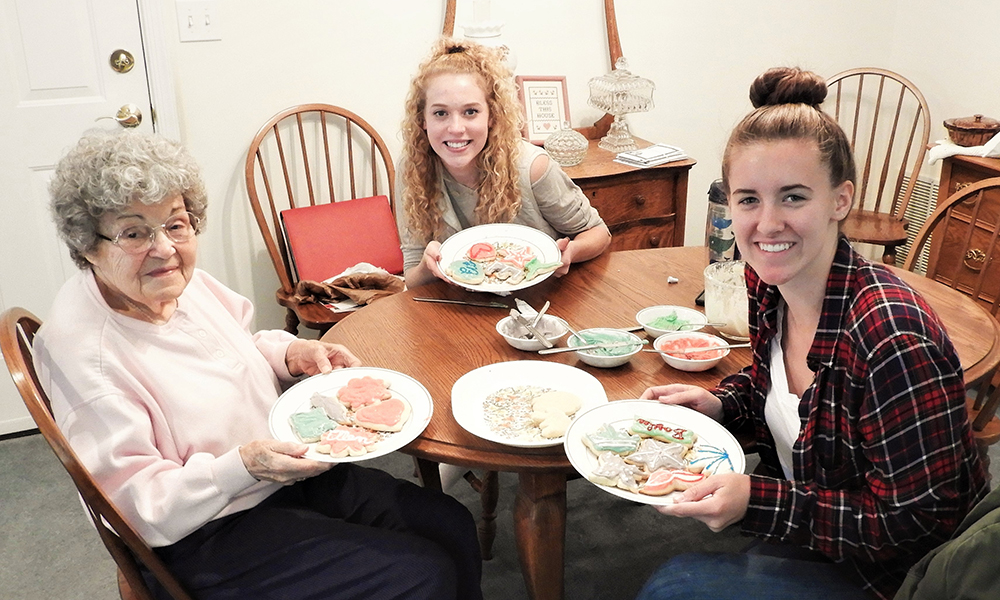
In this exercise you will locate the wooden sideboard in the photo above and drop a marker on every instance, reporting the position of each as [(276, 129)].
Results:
[(956, 173), (643, 208)]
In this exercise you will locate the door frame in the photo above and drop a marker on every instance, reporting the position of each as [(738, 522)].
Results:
[(162, 97)]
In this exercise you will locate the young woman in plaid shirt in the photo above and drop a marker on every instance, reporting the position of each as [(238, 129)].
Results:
[(855, 393)]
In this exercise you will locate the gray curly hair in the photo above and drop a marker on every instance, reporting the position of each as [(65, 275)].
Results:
[(108, 170)]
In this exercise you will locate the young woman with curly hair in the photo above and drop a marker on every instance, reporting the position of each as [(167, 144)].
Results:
[(465, 164)]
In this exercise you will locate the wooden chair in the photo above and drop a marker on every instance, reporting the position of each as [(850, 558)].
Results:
[(308, 155), (17, 331), (886, 119), (964, 254)]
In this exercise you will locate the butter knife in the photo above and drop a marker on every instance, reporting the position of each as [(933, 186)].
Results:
[(520, 320), (465, 302)]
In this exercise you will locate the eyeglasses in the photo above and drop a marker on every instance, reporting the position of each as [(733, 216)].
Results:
[(140, 238)]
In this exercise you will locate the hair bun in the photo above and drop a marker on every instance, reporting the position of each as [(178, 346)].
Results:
[(787, 85)]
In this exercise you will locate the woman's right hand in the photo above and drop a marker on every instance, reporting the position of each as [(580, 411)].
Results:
[(428, 268), (691, 396), (280, 462)]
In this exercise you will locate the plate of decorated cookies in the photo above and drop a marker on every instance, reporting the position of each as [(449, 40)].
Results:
[(649, 452), (499, 258), (354, 414), (524, 403)]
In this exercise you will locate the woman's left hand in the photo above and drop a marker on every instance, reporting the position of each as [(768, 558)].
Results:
[(718, 501), (312, 357), (566, 254), (280, 462)]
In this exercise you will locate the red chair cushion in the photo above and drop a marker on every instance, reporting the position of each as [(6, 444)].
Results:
[(326, 239)]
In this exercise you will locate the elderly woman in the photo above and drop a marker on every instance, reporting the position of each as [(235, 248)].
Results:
[(164, 394)]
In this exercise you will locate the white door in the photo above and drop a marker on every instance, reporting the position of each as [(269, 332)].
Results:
[(56, 81)]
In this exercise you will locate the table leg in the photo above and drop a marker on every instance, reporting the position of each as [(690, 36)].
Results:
[(540, 532)]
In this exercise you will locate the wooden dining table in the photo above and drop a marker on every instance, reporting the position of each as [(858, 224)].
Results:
[(438, 343)]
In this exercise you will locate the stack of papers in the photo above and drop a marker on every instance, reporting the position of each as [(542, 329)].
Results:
[(657, 154)]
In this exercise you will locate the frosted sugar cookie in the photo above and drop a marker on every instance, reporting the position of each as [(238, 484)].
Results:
[(665, 481), (332, 407), (662, 431), (517, 256), (309, 425), (362, 391), (653, 455), (387, 415), (535, 267), (344, 440), (466, 271), (612, 470), (481, 252), (609, 439)]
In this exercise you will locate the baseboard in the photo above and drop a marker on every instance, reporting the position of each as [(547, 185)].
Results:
[(18, 434), (14, 426)]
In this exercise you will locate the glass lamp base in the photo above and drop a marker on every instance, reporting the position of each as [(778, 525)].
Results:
[(618, 138)]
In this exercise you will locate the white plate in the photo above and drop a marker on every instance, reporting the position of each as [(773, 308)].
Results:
[(619, 414), (471, 389), (456, 247), (296, 399)]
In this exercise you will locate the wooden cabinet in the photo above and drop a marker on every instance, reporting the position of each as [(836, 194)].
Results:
[(643, 208), (956, 258)]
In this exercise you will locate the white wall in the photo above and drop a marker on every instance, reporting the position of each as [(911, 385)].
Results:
[(701, 55)]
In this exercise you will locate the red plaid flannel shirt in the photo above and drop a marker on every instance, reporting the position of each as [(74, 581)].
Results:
[(885, 466)]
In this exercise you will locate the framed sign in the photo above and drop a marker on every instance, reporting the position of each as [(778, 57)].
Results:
[(545, 103)]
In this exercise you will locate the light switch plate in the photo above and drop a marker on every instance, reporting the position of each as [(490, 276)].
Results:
[(198, 20)]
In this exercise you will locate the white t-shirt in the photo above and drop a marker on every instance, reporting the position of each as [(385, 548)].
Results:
[(157, 412), (781, 407)]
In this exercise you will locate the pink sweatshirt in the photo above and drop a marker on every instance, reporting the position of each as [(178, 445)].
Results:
[(157, 412)]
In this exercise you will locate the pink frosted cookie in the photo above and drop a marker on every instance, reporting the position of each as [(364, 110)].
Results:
[(387, 415), (518, 256), (344, 440), (665, 481), (362, 391), (482, 252)]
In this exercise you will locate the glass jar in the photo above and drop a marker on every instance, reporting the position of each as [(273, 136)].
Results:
[(567, 146), (726, 299)]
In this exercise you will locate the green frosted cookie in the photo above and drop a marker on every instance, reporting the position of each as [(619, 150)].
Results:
[(609, 439), (663, 431), (311, 424), (536, 267)]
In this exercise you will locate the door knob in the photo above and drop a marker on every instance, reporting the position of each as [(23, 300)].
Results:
[(129, 116)]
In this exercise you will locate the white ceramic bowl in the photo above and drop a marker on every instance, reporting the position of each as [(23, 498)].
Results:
[(553, 328), (597, 357), (691, 364), (686, 315)]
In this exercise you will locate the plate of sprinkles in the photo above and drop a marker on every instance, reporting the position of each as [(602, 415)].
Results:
[(648, 452), (524, 403), (499, 258), (353, 414)]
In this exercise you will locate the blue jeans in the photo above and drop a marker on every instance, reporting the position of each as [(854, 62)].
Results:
[(749, 577)]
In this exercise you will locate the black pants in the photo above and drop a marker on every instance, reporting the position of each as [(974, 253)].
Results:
[(351, 532)]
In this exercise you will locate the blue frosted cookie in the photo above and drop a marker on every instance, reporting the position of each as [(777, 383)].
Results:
[(466, 271)]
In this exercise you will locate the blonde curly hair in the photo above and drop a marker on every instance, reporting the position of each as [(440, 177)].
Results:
[(499, 191)]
